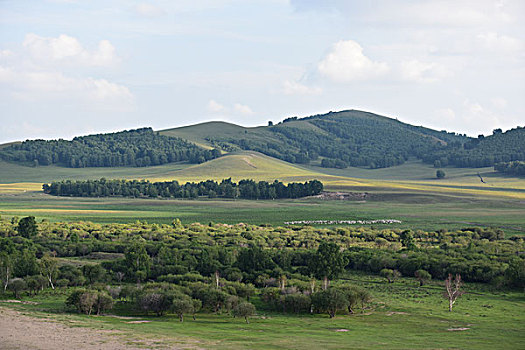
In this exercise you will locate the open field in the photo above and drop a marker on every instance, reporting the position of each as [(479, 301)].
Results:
[(400, 316), (407, 193), (425, 212)]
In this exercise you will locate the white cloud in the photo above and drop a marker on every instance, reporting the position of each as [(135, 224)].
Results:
[(214, 106), (499, 102), (148, 10), (482, 119), (346, 62), (494, 42), (6, 53), (34, 85), (423, 72), (445, 114), (295, 88), (242, 109), (67, 49)]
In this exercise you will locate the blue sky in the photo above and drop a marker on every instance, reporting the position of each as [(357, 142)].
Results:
[(75, 67)]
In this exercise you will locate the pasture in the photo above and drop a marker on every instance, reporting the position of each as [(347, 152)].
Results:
[(407, 193), (401, 315)]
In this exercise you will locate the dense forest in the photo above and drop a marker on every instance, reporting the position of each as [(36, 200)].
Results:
[(349, 138), (511, 168), (356, 138), (222, 265), (245, 189), (133, 148), (482, 151)]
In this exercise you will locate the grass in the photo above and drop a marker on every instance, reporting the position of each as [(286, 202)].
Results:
[(199, 133), (427, 212), (406, 192), (400, 316)]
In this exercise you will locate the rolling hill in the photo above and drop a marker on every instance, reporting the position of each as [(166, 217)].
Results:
[(333, 140)]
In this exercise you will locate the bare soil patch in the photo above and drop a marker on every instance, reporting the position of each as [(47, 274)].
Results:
[(19, 331)]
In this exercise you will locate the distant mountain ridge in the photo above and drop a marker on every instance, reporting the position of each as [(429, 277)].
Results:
[(333, 140)]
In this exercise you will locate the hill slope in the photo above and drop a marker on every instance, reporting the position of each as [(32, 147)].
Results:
[(337, 139)]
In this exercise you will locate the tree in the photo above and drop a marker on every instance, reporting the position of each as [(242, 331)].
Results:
[(17, 285), (27, 227), (156, 301), (197, 305), (452, 290), (6, 268), (422, 276), (407, 240), (388, 274), (49, 268), (182, 306), (515, 273), (93, 273), (244, 309), (36, 283), (103, 302), (330, 300), (137, 260), (328, 262), (440, 174)]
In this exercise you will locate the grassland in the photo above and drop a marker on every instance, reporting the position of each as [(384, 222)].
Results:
[(408, 193), (400, 316)]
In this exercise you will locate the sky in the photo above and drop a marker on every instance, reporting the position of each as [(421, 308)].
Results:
[(70, 68)]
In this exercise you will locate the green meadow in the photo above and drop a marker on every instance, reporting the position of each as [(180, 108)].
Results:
[(400, 316)]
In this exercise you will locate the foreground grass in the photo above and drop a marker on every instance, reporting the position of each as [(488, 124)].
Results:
[(401, 316)]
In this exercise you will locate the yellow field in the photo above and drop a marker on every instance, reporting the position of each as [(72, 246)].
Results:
[(256, 166), (20, 187)]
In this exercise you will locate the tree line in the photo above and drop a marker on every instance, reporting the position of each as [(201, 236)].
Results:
[(512, 168), (500, 147), (132, 148), (244, 189)]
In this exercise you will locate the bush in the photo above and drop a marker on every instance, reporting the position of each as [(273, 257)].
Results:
[(422, 276), (244, 309), (87, 301), (297, 303), (440, 174), (17, 285), (155, 301), (330, 300), (182, 306)]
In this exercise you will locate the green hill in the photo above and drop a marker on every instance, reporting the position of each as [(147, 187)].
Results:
[(336, 140), (333, 140)]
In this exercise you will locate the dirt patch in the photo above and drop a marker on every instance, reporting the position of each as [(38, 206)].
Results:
[(139, 321), (19, 302), (247, 161), (342, 196), (19, 331), (396, 313), (458, 329)]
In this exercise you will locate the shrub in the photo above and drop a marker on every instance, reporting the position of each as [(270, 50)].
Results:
[(244, 309)]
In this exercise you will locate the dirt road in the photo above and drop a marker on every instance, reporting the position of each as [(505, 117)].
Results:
[(19, 331)]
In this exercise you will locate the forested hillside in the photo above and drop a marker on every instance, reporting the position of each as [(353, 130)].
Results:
[(332, 140), (483, 151), (348, 138), (356, 138), (140, 147)]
